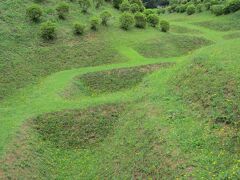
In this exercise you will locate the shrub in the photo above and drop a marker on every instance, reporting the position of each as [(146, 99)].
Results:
[(172, 8), (164, 26), (207, 5), (126, 21), (105, 16), (99, 3), (48, 31), (134, 8), (116, 3), (182, 8), (34, 12), (62, 10), (199, 8), (79, 28), (140, 20), (160, 11), (148, 12), (85, 5), (191, 9), (153, 20), (232, 6), (94, 23), (125, 6), (217, 9)]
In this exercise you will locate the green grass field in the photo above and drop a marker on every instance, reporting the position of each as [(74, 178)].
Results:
[(115, 104)]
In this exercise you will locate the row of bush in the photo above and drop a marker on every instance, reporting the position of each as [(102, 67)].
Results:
[(127, 20), (34, 12), (217, 7), (140, 20), (48, 29)]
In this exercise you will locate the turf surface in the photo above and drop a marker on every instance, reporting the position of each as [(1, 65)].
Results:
[(176, 122)]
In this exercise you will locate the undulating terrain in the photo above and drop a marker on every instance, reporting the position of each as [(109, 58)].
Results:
[(119, 104)]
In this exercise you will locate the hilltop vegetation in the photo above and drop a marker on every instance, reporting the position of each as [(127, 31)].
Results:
[(100, 89)]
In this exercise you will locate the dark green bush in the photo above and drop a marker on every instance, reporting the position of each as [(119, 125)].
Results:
[(148, 12), (191, 9), (217, 9), (182, 8), (79, 28), (105, 16), (125, 6), (126, 21), (85, 5), (199, 8), (160, 11), (207, 5), (140, 20), (34, 12), (134, 8), (232, 6), (94, 23), (98, 3), (117, 3), (153, 20), (62, 10), (164, 26), (48, 31), (172, 8), (141, 7)]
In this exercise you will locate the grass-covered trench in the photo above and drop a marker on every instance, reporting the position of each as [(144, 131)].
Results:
[(115, 104)]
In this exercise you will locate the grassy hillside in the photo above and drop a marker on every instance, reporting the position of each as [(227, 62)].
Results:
[(118, 104)]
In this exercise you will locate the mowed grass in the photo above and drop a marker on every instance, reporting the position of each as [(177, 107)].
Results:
[(163, 128)]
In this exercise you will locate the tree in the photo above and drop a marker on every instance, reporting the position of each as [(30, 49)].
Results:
[(126, 21), (85, 5), (232, 6), (155, 3)]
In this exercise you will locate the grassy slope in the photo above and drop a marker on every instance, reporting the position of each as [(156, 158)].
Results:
[(158, 136)]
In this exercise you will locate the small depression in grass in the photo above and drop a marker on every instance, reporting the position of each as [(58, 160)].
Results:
[(73, 129), (111, 80), (220, 26), (171, 45), (183, 30), (232, 35)]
